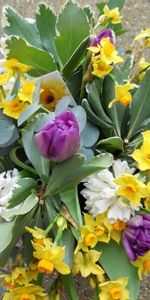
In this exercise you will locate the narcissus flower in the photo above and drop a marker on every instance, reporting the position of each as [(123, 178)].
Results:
[(25, 93), (114, 290), (50, 257), (112, 15), (19, 276), (143, 264), (100, 68), (143, 64), (131, 188), (85, 263), (104, 34), (122, 94), (144, 35), (59, 139), (13, 108), (142, 156), (14, 65), (136, 236), (38, 235), (28, 292)]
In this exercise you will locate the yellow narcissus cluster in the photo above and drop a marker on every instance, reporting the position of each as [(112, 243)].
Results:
[(111, 15), (144, 35), (142, 155), (28, 292), (143, 265), (122, 94), (114, 290)]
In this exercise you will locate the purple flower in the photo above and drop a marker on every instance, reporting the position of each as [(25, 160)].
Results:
[(104, 34), (59, 139), (136, 236)]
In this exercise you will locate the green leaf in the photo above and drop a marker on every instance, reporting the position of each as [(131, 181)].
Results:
[(75, 59), (5, 235), (40, 61), (70, 39), (24, 207), (40, 163), (17, 25), (71, 172), (89, 135), (116, 264), (116, 3), (140, 105), (67, 240), (69, 285), (71, 200), (14, 92), (28, 112), (46, 25), (111, 144), (8, 131), (22, 192), (90, 14), (126, 69)]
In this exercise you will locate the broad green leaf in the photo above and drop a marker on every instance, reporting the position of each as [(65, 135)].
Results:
[(111, 144), (46, 25), (89, 135), (74, 170), (22, 192), (28, 112), (140, 105), (40, 163), (116, 264), (21, 209), (70, 287), (126, 69), (71, 200), (8, 131), (80, 115), (16, 232), (14, 92), (69, 38), (14, 24), (67, 240), (75, 59), (90, 14), (41, 62), (5, 234)]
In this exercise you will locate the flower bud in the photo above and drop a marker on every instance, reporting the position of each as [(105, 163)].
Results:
[(59, 139)]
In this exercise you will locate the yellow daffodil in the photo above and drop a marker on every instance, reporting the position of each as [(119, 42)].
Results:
[(122, 94), (32, 271), (6, 280), (50, 257), (13, 108), (100, 68), (85, 263), (26, 92), (4, 78), (38, 235), (112, 15), (28, 292), (19, 276), (117, 228), (14, 65), (146, 136), (147, 200), (131, 188), (114, 290), (144, 35), (143, 265), (51, 92), (143, 64), (142, 156), (94, 230)]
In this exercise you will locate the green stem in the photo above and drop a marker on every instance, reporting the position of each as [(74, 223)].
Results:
[(3, 91), (59, 234), (18, 162), (48, 229)]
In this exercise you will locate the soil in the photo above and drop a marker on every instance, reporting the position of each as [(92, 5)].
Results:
[(136, 16)]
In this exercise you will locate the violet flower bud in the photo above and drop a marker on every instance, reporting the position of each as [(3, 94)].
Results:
[(104, 34), (136, 236), (59, 139)]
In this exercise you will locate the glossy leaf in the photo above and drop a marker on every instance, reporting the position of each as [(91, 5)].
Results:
[(28, 112), (8, 131), (67, 240), (111, 144)]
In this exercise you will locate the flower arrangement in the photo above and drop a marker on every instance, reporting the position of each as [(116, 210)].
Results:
[(74, 155)]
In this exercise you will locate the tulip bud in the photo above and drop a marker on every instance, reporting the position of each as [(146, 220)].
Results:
[(59, 139)]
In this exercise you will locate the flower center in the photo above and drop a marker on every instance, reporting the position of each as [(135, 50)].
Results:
[(148, 156), (45, 266), (146, 265), (25, 297), (129, 190), (90, 240), (115, 293), (119, 225), (99, 230)]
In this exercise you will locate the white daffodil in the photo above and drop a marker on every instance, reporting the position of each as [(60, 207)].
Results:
[(8, 181), (101, 195)]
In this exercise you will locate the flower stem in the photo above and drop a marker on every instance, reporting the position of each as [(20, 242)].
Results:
[(18, 162), (48, 229)]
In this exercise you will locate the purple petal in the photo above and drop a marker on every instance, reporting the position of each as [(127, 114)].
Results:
[(136, 221), (129, 250), (146, 216), (104, 34)]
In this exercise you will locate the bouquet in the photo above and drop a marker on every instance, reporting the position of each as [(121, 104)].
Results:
[(74, 155)]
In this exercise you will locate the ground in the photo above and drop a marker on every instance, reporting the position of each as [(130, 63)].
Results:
[(136, 16)]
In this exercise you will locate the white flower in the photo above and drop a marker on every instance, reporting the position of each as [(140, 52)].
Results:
[(101, 196), (8, 181)]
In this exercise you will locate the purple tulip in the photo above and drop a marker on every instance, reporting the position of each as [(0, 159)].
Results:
[(59, 139), (136, 236), (104, 34)]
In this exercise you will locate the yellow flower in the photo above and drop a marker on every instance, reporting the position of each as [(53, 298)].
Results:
[(100, 68), (19, 276), (13, 108), (51, 92), (14, 65), (26, 92), (143, 64), (144, 35), (85, 263), (146, 135), (32, 272), (112, 15), (147, 200), (114, 290), (94, 230), (117, 228), (143, 264), (38, 235), (28, 292), (50, 257), (6, 280), (122, 94), (4, 78), (142, 156), (131, 188)]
